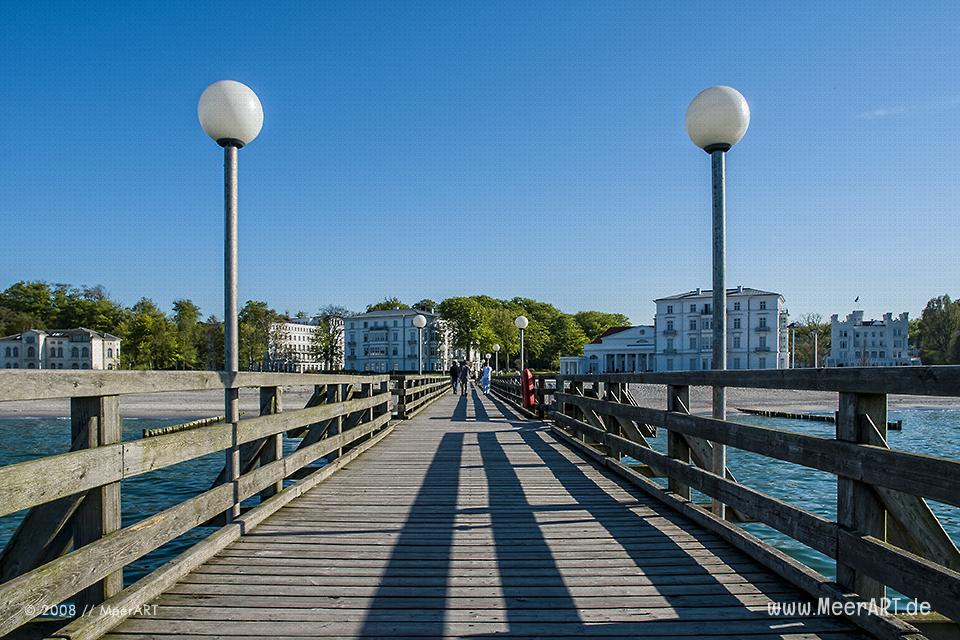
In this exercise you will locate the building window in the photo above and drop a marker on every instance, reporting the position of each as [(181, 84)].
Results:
[(763, 304), (736, 306), (763, 342), (86, 366), (693, 308), (736, 342), (669, 325), (693, 325), (707, 323), (670, 343), (7, 352), (763, 321), (75, 366), (763, 363), (693, 364), (16, 352), (75, 353), (693, 342), (669, 364), (85, 353), (31, 352), (736, 363), (669, 308), (16, 365), (109, 353), (736, 323)]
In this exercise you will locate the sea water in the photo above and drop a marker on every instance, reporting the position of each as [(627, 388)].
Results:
[(929, 431)]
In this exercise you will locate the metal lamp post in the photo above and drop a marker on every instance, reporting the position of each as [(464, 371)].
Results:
[(521, 323), (793, 343), (496, 357), (717, 118), (419, 322), (231, 114), (816, 350)]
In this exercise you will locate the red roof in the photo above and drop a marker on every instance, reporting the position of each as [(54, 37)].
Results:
[(608, 332)]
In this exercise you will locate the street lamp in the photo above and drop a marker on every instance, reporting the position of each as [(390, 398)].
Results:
[(419, 322), (717, 118), (521, 322), (496, 356), (793, 326), (231, 114)]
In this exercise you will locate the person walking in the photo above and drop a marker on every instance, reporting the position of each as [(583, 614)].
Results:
[(454, 376), (485, 374), (464, 377)]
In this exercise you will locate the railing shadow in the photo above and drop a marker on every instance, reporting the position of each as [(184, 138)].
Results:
[(435, 508)]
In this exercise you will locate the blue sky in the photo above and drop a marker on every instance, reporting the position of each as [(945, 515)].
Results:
[(438, 149)]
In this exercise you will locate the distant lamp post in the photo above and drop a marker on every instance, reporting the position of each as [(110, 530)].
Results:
[(521, 322), (419, 322), (496, 357), (231, 114), (793, 326), (717, 118), (816, 350)]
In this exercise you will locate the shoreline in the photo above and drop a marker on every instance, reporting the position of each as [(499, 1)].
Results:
[(194, 405)]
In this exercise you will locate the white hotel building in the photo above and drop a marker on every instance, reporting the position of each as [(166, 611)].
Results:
[(617, 350), (291, 345), (386, 341), (856, 342), (756, 330), (60, 349)]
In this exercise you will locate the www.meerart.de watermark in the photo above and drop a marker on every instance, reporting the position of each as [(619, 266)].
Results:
[(830, 607)]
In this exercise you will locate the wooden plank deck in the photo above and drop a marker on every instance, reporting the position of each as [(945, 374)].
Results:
[(469, 521)]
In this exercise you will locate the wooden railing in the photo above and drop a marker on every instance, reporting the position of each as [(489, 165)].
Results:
[(416, 392), (507, 386), (884, 533), (71, 543)]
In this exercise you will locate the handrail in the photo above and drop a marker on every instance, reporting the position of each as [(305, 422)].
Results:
[(76, 495), (876, 484), (415, 392)]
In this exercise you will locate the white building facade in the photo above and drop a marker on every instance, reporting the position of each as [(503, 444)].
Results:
[(291, 345), (617, 350), (60, 349), (386, 341), (856, 342), (756, 330)]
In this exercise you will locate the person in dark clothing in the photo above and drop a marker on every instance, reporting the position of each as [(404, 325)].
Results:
[(454, 376), (464, 376)]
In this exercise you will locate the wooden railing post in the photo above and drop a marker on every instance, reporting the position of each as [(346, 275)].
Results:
[(334, 395), (99, 513), (678, 400), (271, 402), (859, 509)]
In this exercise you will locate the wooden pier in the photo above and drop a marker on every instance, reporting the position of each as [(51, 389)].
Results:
[(469, 517)]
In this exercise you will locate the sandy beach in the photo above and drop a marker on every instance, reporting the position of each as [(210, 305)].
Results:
[(203, 404)]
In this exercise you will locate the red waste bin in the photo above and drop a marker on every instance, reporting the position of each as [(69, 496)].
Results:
[(528, 389)]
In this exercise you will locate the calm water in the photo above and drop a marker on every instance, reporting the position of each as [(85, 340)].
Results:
[(930, 431), (142, 496)]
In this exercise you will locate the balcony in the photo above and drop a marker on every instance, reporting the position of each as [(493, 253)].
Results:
[(669, 352), (669, 332), (763, 328), (762, 350)]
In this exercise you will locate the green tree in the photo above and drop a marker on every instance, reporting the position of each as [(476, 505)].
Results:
[(465, 316), (150, 338), (210, 344), (939, 328), (255, 320), (386, 304), (594, 323), (326, 343), (186, 316), (425, 305), (566, 339), (27, 305), (809, 324)]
